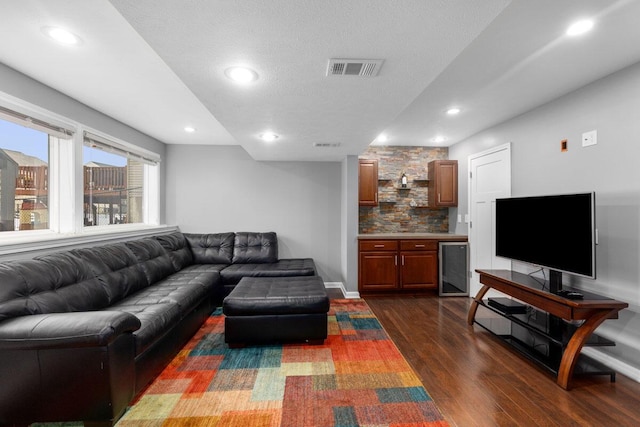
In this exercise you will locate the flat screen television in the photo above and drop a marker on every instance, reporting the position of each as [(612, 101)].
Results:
[(554, 231)]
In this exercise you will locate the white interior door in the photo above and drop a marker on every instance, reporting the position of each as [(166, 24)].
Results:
[(489, 179)]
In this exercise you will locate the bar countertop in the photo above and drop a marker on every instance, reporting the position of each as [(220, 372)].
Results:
[(432, 236)]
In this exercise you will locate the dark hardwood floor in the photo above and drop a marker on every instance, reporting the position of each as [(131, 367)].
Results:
[(476, 380)]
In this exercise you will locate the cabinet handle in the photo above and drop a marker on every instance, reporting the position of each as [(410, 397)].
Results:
[(396, 260), (378, 246), (439, 197), (419, 246), (402, 259), (375, 197)]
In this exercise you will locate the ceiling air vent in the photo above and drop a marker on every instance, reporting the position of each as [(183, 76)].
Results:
[(326, 144), (354, 67)]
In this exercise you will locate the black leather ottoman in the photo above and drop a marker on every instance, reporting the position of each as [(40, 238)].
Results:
[(276, 309)]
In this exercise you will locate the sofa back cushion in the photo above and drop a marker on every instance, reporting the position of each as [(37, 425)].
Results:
[(53, 283), (116, 267), (215, 248), (177, 247), (153, 259), (255, 248)]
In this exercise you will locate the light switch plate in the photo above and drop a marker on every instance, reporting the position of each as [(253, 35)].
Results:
[(590, 138)]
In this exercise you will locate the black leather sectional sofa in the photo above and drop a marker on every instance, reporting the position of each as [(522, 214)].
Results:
[(83, 331)]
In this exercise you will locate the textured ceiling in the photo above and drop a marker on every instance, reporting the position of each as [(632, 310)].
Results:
[(158, 65)]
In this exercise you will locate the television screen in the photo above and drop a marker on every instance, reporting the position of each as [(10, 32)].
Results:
[(556, 232)]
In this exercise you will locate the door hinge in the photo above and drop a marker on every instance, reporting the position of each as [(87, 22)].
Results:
[(471, 224), (470, 175)]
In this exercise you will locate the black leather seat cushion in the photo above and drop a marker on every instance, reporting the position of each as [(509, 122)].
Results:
[(213, 248), (154, 260), (116, 268), (54, 283), (254, 248), (166, 303), (155, 320), (277, 295), (177, 248), (281, 268)]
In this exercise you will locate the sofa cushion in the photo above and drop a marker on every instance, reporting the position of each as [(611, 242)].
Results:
[(215, 248), (176, 245), (53, 283), (116, 267), (253, 248), (153, 259), (232, 274), (185, 293), (155, 320), (205, 268)]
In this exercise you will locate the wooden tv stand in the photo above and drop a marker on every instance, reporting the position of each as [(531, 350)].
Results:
[(560, 326)]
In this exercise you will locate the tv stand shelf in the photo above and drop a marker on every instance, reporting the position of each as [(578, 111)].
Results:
[(553, 329)]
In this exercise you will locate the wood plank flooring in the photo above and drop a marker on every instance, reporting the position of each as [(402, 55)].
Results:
[(476, 380)]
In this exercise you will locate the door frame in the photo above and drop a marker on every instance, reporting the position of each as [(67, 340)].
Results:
[(473, 246)]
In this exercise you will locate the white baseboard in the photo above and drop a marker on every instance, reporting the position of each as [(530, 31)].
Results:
[(340, 285), (615, 364)]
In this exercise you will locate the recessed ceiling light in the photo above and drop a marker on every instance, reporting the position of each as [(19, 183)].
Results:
[(438, 139), (580, 27), (189, 129), (382, 138), (62, 36), (241, 74), (268, 136), (453, 111)]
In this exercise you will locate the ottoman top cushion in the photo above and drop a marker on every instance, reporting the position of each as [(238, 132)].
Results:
[(277, 295)]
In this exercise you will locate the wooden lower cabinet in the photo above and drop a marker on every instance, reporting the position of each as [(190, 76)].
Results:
[(419, 270), (379, 270), (387, 266)]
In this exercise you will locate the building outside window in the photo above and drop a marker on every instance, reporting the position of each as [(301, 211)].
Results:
[(113, 182), (24, 178), (113, 188)]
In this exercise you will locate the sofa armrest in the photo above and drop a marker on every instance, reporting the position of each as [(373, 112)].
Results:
[(57, 330)]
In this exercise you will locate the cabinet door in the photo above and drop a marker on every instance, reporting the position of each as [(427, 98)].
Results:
[(368, 182), (378, 270), (443, 183), (419, 269)]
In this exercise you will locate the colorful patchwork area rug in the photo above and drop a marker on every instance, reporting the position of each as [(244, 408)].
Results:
[(356, 378)]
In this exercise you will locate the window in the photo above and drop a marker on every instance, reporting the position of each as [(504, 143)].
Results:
[(114, 182), (67, 179), (24, 170)]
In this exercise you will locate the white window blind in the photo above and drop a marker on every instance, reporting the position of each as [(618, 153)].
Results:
[(35, 123), (96, 141)]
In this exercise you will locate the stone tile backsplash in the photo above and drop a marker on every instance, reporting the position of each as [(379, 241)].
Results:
[(399, 209)]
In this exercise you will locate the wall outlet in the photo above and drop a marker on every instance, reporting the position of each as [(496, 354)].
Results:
[(590, 138)]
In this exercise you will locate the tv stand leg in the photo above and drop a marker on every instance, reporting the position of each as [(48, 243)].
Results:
[(577, 341), (474, 304)]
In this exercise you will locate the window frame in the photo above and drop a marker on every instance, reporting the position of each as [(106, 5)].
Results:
[(151, 178), (66, 171)]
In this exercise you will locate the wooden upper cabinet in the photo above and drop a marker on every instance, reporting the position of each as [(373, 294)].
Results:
[(443, 183), (368, 182)]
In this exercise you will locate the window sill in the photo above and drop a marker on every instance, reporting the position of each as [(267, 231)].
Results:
[(20, 247)]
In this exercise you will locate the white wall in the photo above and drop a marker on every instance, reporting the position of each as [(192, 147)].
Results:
[(221, 188), (611, 169), (349, 232)]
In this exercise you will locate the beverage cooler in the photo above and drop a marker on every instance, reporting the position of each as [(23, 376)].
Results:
[(454, 269)]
